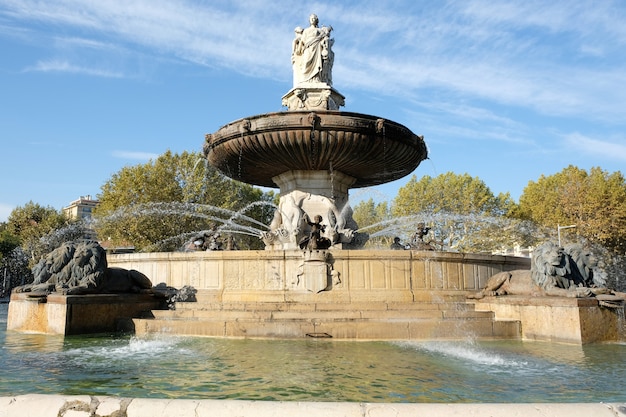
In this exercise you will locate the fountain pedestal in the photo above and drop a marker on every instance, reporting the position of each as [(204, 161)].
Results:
[(317, 96), (313, 193), (314, 158), (315, 274)]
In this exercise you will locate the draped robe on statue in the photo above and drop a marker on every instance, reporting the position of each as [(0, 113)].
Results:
[(315, 50)]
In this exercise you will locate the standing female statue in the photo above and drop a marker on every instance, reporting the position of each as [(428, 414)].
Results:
[(312, 54)]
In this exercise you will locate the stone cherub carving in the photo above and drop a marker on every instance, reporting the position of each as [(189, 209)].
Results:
[(314, 240)]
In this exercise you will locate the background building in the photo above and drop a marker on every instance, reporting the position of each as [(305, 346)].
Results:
[(81, 209)]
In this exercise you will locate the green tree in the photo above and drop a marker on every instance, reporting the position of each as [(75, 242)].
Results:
[(594, 201), (14, 263), (462, 212), (8, 242), (451, 193), (31, 223), (165, 201), (373, 218), (367, 213)]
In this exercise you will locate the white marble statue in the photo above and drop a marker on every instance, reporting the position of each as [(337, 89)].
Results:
[(312, 56)]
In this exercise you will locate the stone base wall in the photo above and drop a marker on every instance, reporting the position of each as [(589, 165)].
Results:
[(77, 314), (351, 275), (558, 319)]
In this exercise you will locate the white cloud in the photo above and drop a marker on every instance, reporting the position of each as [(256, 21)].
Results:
[(525, 54), (605, 149), (64, 66), (140, 156)]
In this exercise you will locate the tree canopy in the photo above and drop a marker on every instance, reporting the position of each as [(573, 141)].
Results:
[(462, 213), (31, 222), (451, 193), (8, 242), (166, 200), (594, 201), (372, 217)]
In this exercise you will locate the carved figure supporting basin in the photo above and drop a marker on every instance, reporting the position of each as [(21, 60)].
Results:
[(314, 158)]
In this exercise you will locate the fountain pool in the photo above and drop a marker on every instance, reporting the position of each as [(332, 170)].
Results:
[(310, 369)]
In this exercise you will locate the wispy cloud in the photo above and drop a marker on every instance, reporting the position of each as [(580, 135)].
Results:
[(132, 155), (603, 148), (64, 66), (543, 56)]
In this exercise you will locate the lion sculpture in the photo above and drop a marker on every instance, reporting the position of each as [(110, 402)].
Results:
[(80, 267), (569, 271)]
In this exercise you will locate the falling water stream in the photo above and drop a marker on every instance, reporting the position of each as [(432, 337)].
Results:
[(310, 369)]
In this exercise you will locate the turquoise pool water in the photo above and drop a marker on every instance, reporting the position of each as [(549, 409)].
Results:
[(310, 369)]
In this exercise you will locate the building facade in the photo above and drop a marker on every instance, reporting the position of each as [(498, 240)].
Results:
[(81, 208)]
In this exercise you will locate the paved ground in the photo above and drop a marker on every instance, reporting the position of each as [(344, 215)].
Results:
[(87, 406)]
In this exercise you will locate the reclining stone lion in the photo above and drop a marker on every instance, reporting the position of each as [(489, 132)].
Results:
[(555, 271), (80, 267)]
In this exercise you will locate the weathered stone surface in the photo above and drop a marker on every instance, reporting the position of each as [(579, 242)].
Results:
[(111, 406), (555, 271), (383, 286), (57, 406), (77, 314), (367, 148), (556, 319), (365, 275), (314, 157), (312, 56)]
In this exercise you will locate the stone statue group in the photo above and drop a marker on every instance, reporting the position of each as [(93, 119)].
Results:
[(312, 56)]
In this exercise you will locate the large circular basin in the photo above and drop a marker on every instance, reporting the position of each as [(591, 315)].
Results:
[(370, 149)]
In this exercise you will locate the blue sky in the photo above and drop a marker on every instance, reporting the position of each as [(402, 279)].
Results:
[(502, 90)]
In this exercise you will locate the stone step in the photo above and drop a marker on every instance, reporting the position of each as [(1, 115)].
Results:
[(339, 328), (303, 306), (263, 314), (435, 318), (295, 298)]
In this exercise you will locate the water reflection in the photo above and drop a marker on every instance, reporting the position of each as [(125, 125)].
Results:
[(311, 369)]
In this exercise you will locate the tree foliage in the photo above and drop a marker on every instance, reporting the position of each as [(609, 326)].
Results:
[(372, 217), (451, 193), (8, 241), (367, 213), (167, 200), (31, 223), (462, 212), (594, 201)]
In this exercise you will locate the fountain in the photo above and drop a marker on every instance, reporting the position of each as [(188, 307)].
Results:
[(314, 279), (312, 284), (313, 152)]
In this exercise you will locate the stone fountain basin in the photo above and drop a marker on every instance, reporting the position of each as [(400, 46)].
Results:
[(370, 149)]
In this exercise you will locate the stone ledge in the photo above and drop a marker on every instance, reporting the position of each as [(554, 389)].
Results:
[(86, 406), (527, 300), (78, 314), (557, 319)]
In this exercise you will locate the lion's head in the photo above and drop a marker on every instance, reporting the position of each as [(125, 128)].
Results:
[(569, 267), (585, 270)]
